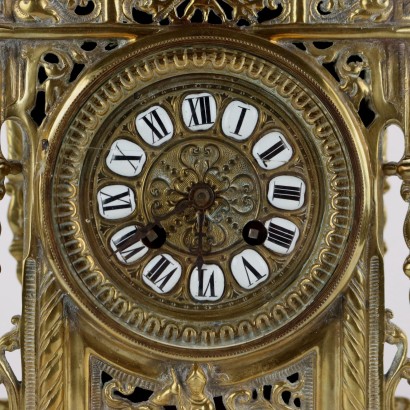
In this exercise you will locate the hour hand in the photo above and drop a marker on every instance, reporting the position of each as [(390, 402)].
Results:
[(200, 259), (178, 209)]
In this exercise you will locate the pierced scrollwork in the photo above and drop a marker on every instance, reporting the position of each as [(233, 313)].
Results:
[(350, 11), (214, 11), (6, 168), (202, 387), (9, 343), (186, 395), (401, 403), (402, 170), (58, 68), (283, 395), (400, 367), (58, 11), (350, 67)]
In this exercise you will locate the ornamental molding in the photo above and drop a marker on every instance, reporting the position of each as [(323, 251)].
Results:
[(125, 311)]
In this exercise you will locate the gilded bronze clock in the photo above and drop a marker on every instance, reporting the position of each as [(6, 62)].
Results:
[(197, 202), (205, 194)]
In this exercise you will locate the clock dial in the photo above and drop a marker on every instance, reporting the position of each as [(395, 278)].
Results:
[(209, 195), (198, 191)]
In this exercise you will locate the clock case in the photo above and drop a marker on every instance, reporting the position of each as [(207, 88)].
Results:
[(73, 356)]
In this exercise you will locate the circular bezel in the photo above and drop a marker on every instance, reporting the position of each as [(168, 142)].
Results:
[(275, 70)]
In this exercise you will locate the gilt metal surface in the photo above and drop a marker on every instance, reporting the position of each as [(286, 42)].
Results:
[(75, 74)]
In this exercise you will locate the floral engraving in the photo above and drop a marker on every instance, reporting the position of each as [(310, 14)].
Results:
[(231, 179)]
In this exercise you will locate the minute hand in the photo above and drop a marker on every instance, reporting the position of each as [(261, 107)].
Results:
[(200, 258)]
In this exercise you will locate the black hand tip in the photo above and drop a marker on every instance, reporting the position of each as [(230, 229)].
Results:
[(254, 233), (155, 237)]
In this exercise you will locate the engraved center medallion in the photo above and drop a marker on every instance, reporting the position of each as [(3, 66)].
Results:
[(217, 178)]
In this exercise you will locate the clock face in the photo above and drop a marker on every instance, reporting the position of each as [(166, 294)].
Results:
[(204, 197), (176, 176)]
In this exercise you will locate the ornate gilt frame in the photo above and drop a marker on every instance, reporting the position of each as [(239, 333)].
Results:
[(362, 49)]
